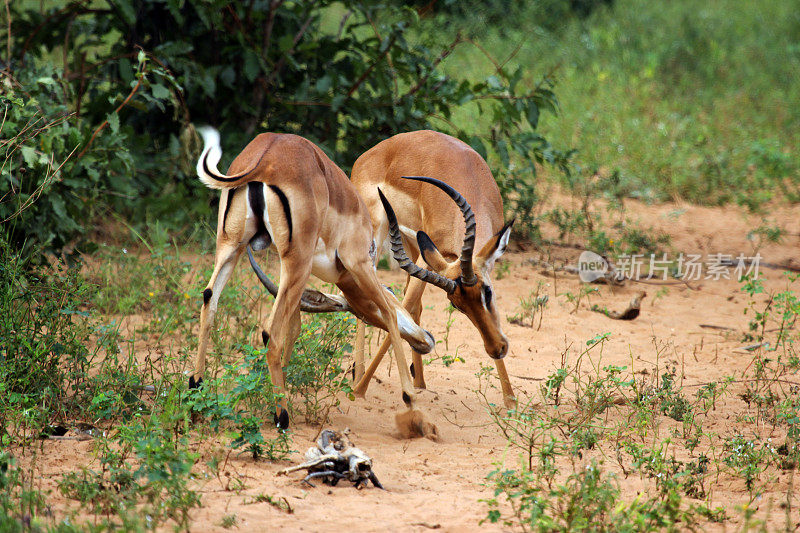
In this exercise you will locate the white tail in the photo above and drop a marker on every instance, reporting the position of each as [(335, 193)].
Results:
[(212, 153)]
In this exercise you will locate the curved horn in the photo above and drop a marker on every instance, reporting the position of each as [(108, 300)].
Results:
[(401, 257), (311, 301), (468, 276)]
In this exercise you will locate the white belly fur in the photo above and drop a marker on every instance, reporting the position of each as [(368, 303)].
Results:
[(324, 263)]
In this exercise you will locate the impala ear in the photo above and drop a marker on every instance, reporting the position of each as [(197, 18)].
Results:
[(495, 248), (430, 253)]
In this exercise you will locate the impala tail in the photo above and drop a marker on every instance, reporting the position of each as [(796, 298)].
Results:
[(207, 169)]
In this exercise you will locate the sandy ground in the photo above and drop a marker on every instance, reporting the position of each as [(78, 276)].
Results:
[(439, 485)]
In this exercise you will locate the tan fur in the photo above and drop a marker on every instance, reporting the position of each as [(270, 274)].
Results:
[(421, 206), (326, 212)]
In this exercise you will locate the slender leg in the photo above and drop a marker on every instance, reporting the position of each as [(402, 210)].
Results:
[(360, 390), (292, 333), (509, 399), (281, 332), (412, 299), (227, 256), (411, 423), (359, 351)]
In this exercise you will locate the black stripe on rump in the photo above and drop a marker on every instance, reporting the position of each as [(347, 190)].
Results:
[(231, 194), (285, 204), (255, 194)]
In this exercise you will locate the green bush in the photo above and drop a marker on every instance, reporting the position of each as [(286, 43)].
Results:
[(136, 73), (315, 375), (44, 341)]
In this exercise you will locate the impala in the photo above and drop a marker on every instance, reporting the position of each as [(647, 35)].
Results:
[(460, 198), (283, 192)]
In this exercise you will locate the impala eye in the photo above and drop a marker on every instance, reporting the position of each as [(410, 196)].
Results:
[(487, 295)]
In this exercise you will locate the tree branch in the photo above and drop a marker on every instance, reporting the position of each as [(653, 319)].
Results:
[(117, 110), (446, 52)]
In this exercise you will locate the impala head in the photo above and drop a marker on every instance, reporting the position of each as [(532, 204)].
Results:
[(467, 280)]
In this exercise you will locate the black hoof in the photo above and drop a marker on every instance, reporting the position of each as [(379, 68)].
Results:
[(282, 421), (195, 384)]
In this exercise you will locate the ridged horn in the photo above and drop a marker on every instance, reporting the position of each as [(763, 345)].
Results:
[(311, 301), (468, 276), (396, 241)]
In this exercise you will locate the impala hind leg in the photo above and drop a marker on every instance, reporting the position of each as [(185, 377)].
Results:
[(226, 258), (283, 327)]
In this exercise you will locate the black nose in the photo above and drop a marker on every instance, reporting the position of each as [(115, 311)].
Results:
[(500, 351)]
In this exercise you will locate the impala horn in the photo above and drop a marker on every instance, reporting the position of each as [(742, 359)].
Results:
[(468, 276), (311, 301), (396, 242)]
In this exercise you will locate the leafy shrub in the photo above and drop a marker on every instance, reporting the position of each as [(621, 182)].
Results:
[(21, 506), (345, 79), (315, 375), (242, 397), (45, 344), (55, 176), (145, 474)]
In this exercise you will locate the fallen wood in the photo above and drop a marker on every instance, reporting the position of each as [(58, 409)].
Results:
[(630, 313)]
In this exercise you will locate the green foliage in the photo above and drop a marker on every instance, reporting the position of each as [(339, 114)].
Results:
[(144, 476), (45, 353), (135, 73), (54, 179), (242, 397), (21, 506), (500, 14), (128, 283), (529, 306), (661, 94), (587, 501), (315, 375)]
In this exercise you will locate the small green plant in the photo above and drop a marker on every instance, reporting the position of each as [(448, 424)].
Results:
[(446, 359), (22, 507), (449, 324), (315, 374), (748, 459), (250, 400), (229, 521), (281, 503), (530, 306), (586, 291), (149, 464), (502, 268), (764, 234)]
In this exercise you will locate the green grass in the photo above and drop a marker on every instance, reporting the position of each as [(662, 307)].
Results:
[(686, 100)]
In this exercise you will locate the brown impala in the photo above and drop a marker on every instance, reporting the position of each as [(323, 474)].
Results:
[(440, 220), (283, 192)]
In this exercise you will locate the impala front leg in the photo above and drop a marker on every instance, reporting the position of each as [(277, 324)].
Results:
[(509, 399), (412, 300), (411, 423), (358, 354)]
